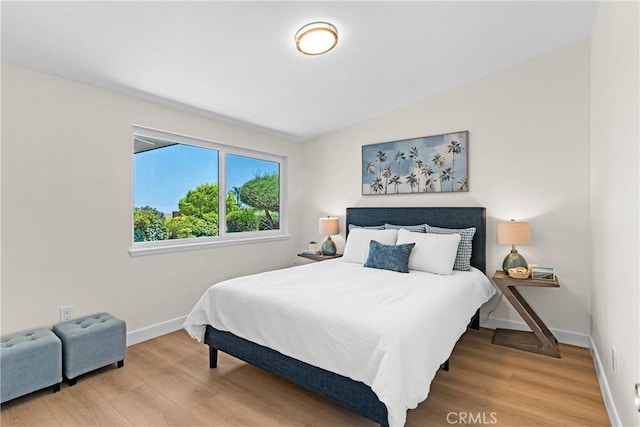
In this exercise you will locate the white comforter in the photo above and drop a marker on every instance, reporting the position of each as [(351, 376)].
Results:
[(390, 330)]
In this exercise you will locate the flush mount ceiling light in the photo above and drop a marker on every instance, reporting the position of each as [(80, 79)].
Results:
[(316, 38)]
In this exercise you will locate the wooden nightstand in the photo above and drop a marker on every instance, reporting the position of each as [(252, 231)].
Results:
[(319, 257), (541, 340)]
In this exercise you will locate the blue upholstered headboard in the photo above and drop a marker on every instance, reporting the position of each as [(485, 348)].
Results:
[(437, 217)]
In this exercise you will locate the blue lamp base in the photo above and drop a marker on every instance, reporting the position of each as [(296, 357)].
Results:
[(513, 260), (328, 247)]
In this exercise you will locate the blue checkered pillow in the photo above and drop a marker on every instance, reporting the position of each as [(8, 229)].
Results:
[(389, 257), (412, 228), (463, 256)]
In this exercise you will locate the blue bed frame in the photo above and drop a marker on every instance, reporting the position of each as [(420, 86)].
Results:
[(353, 395)]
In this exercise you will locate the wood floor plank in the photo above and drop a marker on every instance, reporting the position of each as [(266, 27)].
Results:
[(81, 405), (236, 409), (113, 383), (172, 348), (143, 406), (167, 381), (29, 410)]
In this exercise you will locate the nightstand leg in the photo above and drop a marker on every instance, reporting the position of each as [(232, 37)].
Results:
[(542, 341)]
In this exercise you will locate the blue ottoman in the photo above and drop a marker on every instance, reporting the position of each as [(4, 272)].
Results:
[(91, 342), (29, 361)]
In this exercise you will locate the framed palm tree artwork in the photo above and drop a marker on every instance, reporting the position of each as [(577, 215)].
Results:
[(429, 164)]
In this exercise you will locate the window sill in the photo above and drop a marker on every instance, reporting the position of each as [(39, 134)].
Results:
[(135, 252)]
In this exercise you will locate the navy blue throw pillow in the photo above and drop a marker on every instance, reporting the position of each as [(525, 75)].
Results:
[(389, 257)]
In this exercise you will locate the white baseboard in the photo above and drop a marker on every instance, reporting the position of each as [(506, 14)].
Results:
[(565, 337), (614, 418), (154, 331)]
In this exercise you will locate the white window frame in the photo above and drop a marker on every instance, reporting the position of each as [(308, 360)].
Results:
[(223, 238)]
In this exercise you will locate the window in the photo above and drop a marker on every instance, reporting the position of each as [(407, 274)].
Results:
[(253, 194), (189, 192)]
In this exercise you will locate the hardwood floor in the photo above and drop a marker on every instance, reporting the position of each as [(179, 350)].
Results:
[(166, 381)]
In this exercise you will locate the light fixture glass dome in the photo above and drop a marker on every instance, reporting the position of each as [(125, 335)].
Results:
[(316, 38)]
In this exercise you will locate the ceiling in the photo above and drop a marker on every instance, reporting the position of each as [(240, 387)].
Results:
[(237, 60)]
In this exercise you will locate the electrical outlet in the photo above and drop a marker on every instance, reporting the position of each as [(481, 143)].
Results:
[(66, 313), (614, 359)]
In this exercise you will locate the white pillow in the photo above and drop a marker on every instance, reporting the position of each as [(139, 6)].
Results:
[(433, 253), (357, 247)]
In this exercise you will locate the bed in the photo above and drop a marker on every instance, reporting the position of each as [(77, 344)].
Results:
[(365, 388)]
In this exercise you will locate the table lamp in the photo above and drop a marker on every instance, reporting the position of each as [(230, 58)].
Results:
[(513, 233), (326, 227)]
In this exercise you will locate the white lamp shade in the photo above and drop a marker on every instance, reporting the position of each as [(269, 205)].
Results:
[(513, 233), (328, 226)]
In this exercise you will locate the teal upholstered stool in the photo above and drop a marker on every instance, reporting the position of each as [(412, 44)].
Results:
[(91, 342), (30, 361)]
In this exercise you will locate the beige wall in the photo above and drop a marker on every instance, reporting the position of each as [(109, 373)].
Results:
[(67, 203), (528, 159), (615, 212)]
